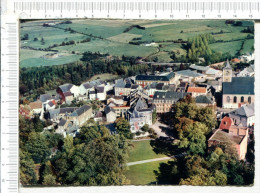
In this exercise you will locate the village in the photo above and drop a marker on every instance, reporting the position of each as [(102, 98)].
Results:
[(143, 99)]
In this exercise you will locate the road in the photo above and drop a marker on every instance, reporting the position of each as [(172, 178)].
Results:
[(148, 160)]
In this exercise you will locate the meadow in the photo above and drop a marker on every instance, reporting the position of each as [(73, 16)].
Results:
[(113, 37)]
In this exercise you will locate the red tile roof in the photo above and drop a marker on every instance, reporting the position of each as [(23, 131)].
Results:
[(236, 60), (197, 89), (35, 105), (226, 123)]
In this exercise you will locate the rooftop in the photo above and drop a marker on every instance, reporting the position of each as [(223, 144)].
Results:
[(66, 87), (169, 95), (202, 99), (239, 85), (200, 68), (161, 77), (189, 73), (246, 110), (223, 136), (35, 105), (197, 89), (45, 97)]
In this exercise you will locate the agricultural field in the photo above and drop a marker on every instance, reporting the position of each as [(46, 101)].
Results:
[(114, 37)]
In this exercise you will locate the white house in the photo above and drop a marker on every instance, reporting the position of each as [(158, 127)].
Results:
[(248, 71), (101, 93)]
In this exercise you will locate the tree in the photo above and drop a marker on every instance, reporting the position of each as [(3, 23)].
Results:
[(37, 146), (49, 180), (27, 168), (145, 128), (123, 127)]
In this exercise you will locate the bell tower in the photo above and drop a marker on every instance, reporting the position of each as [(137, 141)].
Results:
[(227, 72)]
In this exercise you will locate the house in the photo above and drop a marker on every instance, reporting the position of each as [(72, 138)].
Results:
[(68, 96), (50, 105), (230, 134), (118, 100), (81, 115), (110, 114), (199, 69), (101, 93), (205, 101), (247, 57), (36, 107), (140, 114), (212, 74), (244, 115), (248, 71), (197, 91), (92, 95), (124, 87), (166, 78), (191, 76), (236, 91), (163, 101), (98, 116), (56, 114), (217, 85), (69, 89), (222, 138)]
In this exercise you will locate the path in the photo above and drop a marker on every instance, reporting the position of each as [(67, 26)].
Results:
[(148, 160), (158, 128)]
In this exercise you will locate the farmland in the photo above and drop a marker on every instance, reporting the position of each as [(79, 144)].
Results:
[(124, 37)]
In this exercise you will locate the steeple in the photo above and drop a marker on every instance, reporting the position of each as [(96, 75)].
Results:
[(227, 72), (227, 65)]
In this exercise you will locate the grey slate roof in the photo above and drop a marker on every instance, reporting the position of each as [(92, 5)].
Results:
[(156, 77), (66, 87), (246, 110), (120, 83), (203, 99), (80, 110), (189, 73), (92, 92), (159, 86), (108, 109), (44, 97), (50, 103), (67, 94), (134, 86), (200, 68), (169, 95), (62, 122), (239, 85), (87, 85), (100, 89)]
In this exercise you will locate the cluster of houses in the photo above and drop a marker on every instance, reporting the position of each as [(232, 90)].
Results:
[(137, 98)]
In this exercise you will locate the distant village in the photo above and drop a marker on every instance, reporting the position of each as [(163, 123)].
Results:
[(141, 98)]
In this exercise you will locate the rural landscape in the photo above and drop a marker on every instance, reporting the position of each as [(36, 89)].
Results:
[(136, 102)]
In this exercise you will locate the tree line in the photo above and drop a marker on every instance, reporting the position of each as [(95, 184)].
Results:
[(36, 80)]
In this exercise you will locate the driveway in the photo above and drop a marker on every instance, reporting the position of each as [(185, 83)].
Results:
[(160, 129)]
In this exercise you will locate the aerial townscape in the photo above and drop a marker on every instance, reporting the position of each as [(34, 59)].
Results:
[(184, 116)]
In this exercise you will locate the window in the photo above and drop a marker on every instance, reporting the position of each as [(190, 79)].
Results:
[(228, 99), (249, 99), (235, 99), (242, 99)]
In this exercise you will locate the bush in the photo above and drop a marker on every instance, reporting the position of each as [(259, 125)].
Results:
[(145, 128), (138, 133)]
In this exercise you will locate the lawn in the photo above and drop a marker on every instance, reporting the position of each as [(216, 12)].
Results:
[(143, 174), (105, 76), (142, 150), (248, 46)]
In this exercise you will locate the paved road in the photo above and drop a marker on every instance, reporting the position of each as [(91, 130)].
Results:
[(148, 160), (157, 126)]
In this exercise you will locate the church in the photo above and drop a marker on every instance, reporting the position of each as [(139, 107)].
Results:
[(236, 91)]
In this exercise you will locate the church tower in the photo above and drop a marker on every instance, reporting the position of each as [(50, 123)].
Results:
[(227, 72)]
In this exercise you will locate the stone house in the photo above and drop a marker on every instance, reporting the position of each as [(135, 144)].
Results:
[(230, 134), (110, 114), (244, 115), (163, 101), (66, 90), (191, 76), (205, 101), (36, 107)]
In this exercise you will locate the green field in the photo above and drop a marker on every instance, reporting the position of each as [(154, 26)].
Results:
[(142, 150), (143, 174), (108, 36)]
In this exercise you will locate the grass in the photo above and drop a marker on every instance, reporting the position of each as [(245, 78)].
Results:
[(105, 76), (227, 47), (248, 46), (143, 174), (142, 150), (115, 42)]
